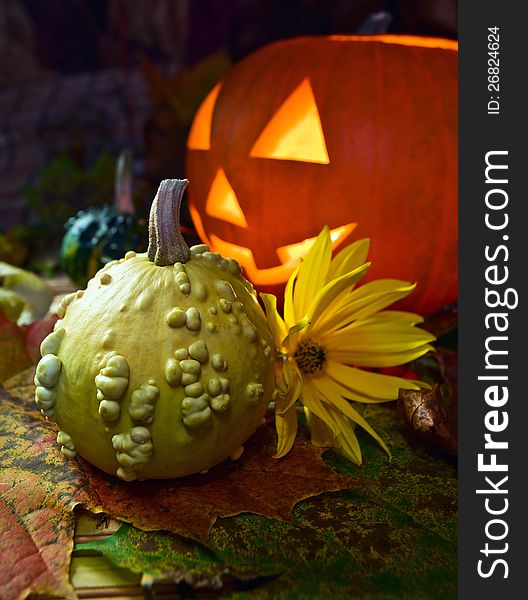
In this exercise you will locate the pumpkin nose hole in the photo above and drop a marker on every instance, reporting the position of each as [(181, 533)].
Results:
[(222, 202)]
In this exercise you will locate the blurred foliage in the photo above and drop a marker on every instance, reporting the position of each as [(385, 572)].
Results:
[(66, 185), (63, 187), (175, 100), (24, 296), (12, 249)]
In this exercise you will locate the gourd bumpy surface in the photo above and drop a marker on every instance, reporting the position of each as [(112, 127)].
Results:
[(158, 371)]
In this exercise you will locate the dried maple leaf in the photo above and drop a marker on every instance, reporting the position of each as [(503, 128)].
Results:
[(386, 541), (256, 483), (426, 414), (42, 488)]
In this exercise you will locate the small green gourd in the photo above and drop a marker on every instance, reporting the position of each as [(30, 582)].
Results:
[(97, 235)]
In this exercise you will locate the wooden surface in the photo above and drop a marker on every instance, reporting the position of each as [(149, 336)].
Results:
[(95, 577)]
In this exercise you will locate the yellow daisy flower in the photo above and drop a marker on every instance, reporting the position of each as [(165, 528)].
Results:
[(330, 329)]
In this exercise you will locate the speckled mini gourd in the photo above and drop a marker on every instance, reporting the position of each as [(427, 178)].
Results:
[(158, 371)]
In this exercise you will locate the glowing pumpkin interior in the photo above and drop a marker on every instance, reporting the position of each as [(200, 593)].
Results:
[(294, 133), (355, 132)]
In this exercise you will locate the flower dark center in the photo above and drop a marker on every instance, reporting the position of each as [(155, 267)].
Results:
[(310, 357)]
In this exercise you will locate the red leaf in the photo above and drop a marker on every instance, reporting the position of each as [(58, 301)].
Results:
[(13, 355), (35, 333), (39, 490)]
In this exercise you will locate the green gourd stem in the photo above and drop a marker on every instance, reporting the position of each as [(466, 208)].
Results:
[(166, 243)]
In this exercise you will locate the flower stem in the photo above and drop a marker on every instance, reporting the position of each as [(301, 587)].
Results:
[(166, 243)]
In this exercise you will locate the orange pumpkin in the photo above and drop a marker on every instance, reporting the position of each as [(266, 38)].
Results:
[(356, 132)]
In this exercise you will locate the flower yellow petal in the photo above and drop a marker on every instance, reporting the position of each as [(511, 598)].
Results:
[(286, 425), (289, 308), (420, 385), (363, 386), (376, 295), (291, 339), (377, 359), (275, 322), (349, 259), (331, 291), (374, 337), (289, 388), (321, 435), (399, 316), (346, 442), (312, 274), (363, 302), (310, 397), (330, 391)]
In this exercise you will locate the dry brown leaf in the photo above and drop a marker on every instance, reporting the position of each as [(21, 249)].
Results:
[(255, 483), (426, 414)]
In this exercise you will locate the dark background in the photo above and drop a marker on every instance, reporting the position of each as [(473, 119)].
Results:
[(82, 80), (76, 36)]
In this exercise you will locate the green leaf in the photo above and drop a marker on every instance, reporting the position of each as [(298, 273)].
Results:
[(62, 187), (157, 554), (393, 540)]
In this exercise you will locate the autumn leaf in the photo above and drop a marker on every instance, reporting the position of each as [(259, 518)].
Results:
[(426, 414), (42, 488), (38, 490), (256, 483), (432, 417), (394, 540), (160, 555), (386, 542), (13, 354), (20, 345), (35, 333)]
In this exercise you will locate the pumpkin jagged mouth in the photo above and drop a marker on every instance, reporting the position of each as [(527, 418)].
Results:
[(289, 255)]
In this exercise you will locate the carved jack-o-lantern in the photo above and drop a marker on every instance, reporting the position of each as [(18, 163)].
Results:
[(359, 133)]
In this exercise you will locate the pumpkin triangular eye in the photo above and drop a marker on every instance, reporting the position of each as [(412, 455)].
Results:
[(294, 132), (200, 134), (222, 202)]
